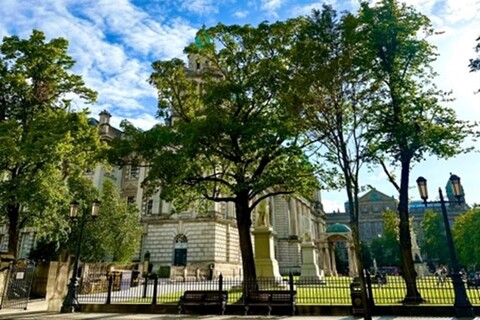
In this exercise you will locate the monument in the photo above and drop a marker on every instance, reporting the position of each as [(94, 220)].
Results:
[(310, 272), (265, 262)]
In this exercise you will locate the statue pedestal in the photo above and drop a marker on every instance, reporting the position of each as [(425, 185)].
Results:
[(310, 271), (265, 262)]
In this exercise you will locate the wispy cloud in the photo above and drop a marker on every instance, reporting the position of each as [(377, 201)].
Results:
[(200, 7), (271, 5)]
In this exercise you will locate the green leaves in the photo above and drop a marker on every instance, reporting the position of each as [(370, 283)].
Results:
[(41, 142)]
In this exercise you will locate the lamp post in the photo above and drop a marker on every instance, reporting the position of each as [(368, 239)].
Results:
[(70, 303), (463, 307)]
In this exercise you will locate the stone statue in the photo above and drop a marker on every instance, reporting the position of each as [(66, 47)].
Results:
[(307, 237), (263, 214)]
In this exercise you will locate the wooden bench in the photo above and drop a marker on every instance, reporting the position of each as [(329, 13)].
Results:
[(271, 298), (195, 298)]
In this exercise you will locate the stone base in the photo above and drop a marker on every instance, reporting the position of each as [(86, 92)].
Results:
[(267, 268), (311, 273)]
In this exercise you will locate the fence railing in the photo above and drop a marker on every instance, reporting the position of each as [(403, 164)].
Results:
[(332, 291)]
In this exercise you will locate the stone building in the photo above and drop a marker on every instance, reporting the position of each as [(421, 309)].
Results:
[(372, 206)]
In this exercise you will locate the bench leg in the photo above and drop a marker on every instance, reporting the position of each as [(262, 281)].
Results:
[(293, 310), (246, 310), (269, 311), (180, 309)]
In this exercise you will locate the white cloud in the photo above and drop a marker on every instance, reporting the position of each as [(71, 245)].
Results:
[(240, 14), (200, 7), (271, 5)]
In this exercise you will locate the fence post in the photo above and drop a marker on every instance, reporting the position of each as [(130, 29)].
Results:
[(290, 281), (370, 291), (110, 287), (220, 283), (155, 285), (145, 285)]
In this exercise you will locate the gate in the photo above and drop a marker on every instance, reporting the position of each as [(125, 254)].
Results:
[(18, 285)]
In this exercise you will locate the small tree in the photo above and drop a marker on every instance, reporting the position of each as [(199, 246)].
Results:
[(466, 237), (435, 240)]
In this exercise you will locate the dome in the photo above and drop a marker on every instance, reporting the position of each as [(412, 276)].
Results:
[(338, 228), (201, 41)]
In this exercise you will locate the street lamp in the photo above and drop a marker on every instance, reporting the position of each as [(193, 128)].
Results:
[(70, 303), (463, 307)]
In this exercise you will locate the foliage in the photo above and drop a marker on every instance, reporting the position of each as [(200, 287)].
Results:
[(466, 238), (235, 125), (42, 143), (386, 249), (333, 72), (435, 241), (113, 236), (409, 120), (475, 63)]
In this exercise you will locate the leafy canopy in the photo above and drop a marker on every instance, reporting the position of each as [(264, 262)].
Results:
[(236, 123)]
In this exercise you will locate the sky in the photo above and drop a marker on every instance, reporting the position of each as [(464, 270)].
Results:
[(114, 43)]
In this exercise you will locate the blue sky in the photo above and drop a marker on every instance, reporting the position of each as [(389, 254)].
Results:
[(115, 41)]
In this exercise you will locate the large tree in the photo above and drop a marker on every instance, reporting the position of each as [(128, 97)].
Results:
[(434, 237), (410, 120), (41, 141), (235, 125), (335, 75)]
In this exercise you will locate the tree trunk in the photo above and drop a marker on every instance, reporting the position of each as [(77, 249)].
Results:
[(13, 212), (244, 223), (408, 270), (354, 210)]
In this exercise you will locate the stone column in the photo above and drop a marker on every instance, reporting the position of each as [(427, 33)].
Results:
[(333, 260), (265, 262), (328, 262), (352, 261)]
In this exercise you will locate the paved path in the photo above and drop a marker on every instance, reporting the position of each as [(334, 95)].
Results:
[(38, 310)]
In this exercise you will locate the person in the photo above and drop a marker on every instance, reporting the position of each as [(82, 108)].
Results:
[(441, 274)]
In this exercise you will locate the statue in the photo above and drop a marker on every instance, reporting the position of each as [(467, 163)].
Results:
[(307, 237), (263, 214)]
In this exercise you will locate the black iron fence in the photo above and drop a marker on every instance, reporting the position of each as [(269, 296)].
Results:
[(332, 291)]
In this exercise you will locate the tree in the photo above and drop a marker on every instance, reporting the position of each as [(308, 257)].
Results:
[(466, 237), (42, 143), (113, 236), (435, 240), (335, 77), (409, 121), (386, 249), (235, 125)]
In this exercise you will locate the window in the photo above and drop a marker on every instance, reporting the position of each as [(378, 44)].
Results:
[(134, 171), (131, 200), (149, 207), (180, 250)]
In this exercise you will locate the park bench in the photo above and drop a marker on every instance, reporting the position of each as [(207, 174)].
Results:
[(196, 298), (271, 298)]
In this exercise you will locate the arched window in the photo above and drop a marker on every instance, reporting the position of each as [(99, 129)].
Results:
[(180, 251)]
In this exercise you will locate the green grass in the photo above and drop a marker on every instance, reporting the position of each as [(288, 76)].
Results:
[(336, 291)]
